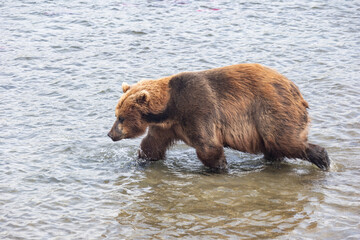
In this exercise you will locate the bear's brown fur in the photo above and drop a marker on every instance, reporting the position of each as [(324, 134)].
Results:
[(247, 107)]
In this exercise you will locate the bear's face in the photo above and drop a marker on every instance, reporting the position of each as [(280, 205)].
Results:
[(128, 112)]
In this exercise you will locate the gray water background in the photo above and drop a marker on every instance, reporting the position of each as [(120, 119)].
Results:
[(61, 68)]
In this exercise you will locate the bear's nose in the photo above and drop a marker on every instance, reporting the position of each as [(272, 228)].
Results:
[(109, 135)]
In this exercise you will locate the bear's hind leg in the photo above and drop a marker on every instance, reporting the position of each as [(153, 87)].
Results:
[(312, 153), (318, 156), (155, 144), (272, 157)]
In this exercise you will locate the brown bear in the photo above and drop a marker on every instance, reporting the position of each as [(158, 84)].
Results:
[(247, 107)]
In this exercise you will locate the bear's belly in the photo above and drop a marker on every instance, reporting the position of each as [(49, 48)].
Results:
[(247, 140)]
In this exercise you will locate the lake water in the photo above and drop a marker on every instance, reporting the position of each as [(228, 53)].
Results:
[(61, 68)]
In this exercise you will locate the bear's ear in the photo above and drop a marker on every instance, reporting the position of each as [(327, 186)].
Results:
[(143, 97), (125, 87)]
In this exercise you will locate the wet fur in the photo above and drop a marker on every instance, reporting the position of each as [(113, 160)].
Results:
[(247, 107)]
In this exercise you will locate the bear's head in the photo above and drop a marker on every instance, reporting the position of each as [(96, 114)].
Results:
[(129, 122)]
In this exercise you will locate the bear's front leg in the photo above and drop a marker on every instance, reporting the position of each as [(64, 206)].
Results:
[(155, 144), (212, 156)]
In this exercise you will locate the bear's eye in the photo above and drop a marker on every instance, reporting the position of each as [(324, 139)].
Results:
[(121, 119)]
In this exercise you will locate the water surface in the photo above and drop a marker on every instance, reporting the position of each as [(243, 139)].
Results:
[(61, 68)]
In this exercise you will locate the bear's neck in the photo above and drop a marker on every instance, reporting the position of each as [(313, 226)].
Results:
[(159, 90), (160, 95)]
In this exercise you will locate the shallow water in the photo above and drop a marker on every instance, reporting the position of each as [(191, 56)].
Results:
[(61, 68)]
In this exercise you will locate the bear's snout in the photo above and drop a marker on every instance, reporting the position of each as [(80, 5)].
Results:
[(115, 132), (113, 137), (109, 135)]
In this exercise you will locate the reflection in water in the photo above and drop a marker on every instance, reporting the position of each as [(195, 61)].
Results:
[(255, 204)]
